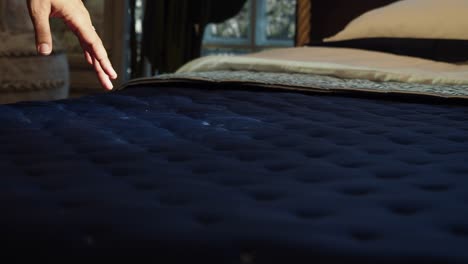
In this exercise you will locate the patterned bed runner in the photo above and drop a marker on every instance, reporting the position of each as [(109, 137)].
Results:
[(306, 82)]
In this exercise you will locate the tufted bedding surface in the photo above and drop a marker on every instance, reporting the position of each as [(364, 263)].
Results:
[(191, 175)]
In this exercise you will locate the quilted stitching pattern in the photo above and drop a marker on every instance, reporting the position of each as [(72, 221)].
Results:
[(236, 176)]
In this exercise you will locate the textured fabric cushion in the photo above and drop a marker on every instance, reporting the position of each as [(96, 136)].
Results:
[(431, 19), (230, 176), (25, 76)]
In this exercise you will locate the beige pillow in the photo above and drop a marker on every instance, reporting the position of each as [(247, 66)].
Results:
[(423, 19)]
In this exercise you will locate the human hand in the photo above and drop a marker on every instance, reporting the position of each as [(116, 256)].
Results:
[(77, 18)]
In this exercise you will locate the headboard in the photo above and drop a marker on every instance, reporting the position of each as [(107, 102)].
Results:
[(317, 19)]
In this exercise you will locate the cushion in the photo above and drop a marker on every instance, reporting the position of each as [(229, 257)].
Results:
[(425, 19), (443, 50)]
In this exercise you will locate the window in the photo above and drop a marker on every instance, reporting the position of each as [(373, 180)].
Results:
[(261, 24)]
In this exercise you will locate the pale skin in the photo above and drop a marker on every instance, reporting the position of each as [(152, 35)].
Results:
[(77, 18)]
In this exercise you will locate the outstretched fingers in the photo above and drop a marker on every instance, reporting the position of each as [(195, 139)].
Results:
[(96, 53), (92, 45)]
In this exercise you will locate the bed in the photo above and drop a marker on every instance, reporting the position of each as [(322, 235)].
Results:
[(300, 159)]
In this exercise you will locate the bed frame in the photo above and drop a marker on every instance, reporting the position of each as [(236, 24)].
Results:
[(317, 19)]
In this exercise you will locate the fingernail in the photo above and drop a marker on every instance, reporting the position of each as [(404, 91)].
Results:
[(44, 49), (110, 86)]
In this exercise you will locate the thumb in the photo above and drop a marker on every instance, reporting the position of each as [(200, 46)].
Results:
[(40, 12)]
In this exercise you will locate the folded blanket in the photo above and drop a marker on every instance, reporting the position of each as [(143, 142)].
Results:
[(338, 62), (317, 69)]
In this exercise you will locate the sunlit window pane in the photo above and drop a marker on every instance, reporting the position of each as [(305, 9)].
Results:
[(280, 15), (234, 28), (271, 23), (224, 50)]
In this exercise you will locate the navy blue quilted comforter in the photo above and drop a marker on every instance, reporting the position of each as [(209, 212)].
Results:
[(229, 176)]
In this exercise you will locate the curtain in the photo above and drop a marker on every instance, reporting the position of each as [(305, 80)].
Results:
[(173, 31)]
